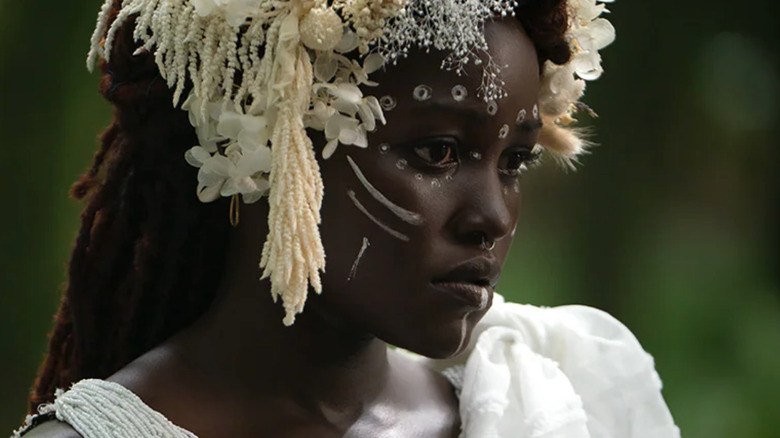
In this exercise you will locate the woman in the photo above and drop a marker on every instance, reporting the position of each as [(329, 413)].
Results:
[(403, 127)]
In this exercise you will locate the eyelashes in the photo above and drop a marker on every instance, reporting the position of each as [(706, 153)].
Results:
[(515, 162), (443, 154)]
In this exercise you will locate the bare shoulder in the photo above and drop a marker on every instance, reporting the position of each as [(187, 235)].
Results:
[(53, 429)]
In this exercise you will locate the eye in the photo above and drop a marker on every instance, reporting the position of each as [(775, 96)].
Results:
[(514, 162), (438, 152)]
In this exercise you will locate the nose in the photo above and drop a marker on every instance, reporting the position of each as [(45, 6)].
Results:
[(483, 213)]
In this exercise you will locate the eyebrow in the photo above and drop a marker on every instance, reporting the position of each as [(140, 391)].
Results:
[(478, 111)]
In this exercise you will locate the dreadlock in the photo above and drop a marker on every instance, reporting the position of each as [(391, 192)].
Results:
[(149, 255)]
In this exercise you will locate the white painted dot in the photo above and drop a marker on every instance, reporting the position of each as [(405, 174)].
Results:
[(521, 116), (422, 93), (459, 93), (504, 132), (387, 103), (492, 107)]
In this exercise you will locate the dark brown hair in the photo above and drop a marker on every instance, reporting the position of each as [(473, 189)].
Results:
[(148, 256)]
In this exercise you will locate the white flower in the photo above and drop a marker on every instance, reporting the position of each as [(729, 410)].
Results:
[(588, 34), (345, 130), (204, 118), (318, 116), (347, 118), (339, 107), (242, 166)]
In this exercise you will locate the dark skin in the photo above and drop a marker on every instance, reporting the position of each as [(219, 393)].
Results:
[(239, 372)]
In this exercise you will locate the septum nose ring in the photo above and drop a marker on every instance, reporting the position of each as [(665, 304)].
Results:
[(488, 244)]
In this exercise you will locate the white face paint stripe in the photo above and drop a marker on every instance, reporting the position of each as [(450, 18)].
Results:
[(484, 298), (463, 325), (363, 248), (404, 214), (389, 230)]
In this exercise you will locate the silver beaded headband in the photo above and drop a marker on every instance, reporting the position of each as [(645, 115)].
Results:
[(252, 132)]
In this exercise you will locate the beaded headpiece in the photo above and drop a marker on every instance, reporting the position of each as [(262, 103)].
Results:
[(263, 71)]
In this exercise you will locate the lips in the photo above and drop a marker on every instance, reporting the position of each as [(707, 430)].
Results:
[(471, 294), (471, 282)]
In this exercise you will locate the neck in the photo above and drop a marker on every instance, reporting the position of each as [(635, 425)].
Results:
[(322, 363)]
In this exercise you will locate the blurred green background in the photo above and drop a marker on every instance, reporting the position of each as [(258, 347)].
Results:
[(671, 224)]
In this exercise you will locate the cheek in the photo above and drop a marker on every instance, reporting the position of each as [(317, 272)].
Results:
[(371, 215)]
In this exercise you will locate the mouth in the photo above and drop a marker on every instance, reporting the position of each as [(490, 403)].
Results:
[(471, 294), (471, 282)]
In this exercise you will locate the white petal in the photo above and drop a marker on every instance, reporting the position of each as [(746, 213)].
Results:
[(602, 33), (333, 127), (348, 43), (252, 163), (230, 125), (376, 108), (367, 117), (209, 193), (322, 111), (362, 139), (246, 185), (587, 65), (373, 62), (325, 67), (214, 109), (345, 107), (330, 148), (218, 165), (348, 136), (252, 197), (262, 185), (229, 188), (196, 156), (253, 123), (347, 92)]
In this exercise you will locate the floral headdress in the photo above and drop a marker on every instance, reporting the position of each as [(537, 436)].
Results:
[(263, 71)]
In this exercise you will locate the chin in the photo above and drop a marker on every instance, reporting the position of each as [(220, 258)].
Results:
[(443, 341)]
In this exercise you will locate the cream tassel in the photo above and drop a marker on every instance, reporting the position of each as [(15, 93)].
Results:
[(564, 143), (293, 255)]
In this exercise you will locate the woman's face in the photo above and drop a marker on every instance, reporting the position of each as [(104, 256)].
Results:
[(407, 222)]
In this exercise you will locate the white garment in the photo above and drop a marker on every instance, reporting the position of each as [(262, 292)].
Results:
[(529, 372), (563, 372)]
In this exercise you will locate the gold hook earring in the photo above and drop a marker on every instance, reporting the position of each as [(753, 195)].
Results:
[(234, 210)]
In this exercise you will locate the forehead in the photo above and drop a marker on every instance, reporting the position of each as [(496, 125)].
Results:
[(509, 48)]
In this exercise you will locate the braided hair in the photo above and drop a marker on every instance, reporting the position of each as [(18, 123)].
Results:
[(149, 255)]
